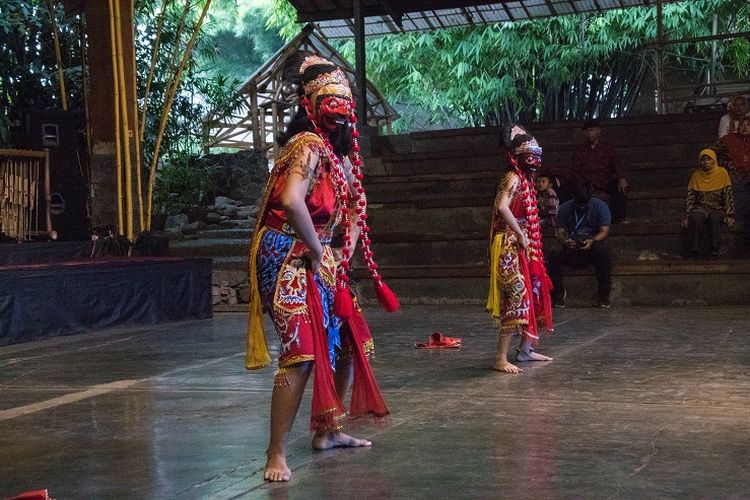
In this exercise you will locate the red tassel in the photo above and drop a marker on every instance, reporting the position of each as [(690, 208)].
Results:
[(327, 410), (366, 396), (343, 305), (387, 298)]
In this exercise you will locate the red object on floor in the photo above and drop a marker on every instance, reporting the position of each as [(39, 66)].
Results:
[(439, 341), (32, 495)]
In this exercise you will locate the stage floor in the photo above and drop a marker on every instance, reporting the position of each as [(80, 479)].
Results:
[(638, 403)]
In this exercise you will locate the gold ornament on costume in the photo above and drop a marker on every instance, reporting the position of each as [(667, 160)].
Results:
[(531, 146), (334, 82)]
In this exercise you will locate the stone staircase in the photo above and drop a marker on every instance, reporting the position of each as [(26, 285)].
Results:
[(430, 197), (226, 244)]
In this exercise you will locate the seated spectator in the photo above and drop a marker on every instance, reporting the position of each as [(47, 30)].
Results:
[(596, 162), (734, 152), (547, 201), (710, 201), (582, 228), (729, 123)]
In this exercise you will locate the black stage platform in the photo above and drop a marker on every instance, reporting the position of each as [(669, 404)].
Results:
[(19, 254), (63, 298)]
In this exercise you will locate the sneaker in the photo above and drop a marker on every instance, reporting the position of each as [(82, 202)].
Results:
[(560, 304), (604, 302)]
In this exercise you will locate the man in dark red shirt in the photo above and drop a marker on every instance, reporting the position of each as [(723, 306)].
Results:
[(596, 161)]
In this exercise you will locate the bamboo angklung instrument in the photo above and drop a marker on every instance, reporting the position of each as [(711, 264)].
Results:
[(19, 197)]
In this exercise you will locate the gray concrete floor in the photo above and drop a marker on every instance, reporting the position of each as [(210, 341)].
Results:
[(638, 403)]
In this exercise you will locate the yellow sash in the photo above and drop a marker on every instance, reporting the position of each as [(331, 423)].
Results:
[(495, 299), (257, 355)]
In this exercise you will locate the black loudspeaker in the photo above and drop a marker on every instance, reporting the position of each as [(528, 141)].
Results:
[(147, 244), (59, 132)]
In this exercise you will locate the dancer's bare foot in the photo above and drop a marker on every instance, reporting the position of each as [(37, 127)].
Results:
[(276, 468), (328, 440), (531, 356), (506, 367)]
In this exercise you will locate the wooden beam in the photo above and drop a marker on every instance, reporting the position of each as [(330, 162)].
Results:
[(395, 14), (314, 15), (306, 14), (708, 38), (360, 61)]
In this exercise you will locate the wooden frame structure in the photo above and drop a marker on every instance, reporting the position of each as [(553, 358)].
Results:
[(20, 193), (270, 102)]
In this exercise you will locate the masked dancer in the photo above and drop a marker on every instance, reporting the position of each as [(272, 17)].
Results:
[(315, 187), (519, 296)]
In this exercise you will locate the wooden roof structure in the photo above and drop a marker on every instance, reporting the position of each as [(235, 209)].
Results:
[(333, 18), (271, 102)]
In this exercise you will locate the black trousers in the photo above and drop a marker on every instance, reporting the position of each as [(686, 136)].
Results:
[(700, 223), (598, 255), (617, 200)]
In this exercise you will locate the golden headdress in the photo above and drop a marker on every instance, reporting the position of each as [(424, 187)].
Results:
[(335, 80)]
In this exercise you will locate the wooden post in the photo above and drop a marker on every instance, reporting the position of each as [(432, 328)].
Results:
[(102, 123), (47, 194), (360, 58), (257, 132), (659, 57)]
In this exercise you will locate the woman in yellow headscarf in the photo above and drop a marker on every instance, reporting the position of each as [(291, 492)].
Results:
[(710, 201)]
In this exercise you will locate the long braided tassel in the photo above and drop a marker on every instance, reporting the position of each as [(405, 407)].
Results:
[(535, 254), (343, 304), (532, 214)]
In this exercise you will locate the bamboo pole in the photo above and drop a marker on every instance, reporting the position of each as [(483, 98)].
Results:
[(178, 36), (152, 66), (126, 131), (172, 67), (136, 136), (60, 75), (115, 79), (21, 153), (168, 106)]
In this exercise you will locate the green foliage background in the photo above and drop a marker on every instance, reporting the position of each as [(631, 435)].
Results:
[(579, 65), (234, 42), (556, 68)]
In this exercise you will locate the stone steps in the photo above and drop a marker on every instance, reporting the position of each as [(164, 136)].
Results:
[(431, 194), (450, 215), (241, 233), (668, 129), (210, 247), (626, 247), (643, 176), (643, 283)]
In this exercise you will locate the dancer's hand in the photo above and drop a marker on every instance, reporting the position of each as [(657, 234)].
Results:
[(587, 244), (684, 223), (729, 221), (338, 255), (523, 241), (316, 259)]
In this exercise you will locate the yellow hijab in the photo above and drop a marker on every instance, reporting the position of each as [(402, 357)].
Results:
[(714, 179)]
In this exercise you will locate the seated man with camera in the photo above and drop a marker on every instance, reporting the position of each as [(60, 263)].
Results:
[(582, 228)]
